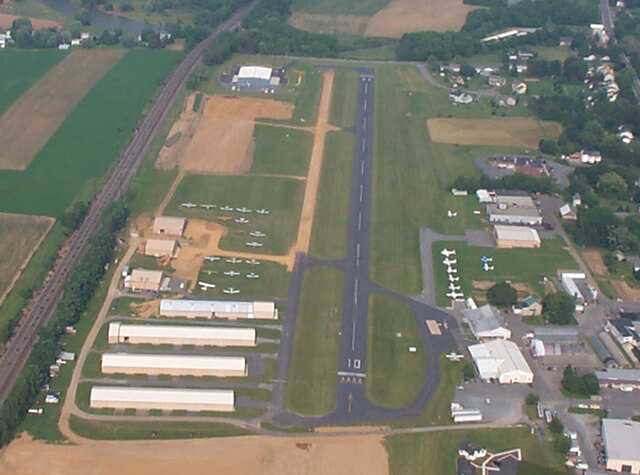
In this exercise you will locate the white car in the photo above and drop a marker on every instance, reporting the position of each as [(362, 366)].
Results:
[(626, 389)]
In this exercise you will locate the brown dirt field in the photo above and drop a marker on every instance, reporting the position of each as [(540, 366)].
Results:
[(6, 21), (406, 16), (329, 24), (481, 286), (625, 292), (595, 262), (218, 139), (233, 455), (517, 132), (20, 237), (31, 121), (146, 309)]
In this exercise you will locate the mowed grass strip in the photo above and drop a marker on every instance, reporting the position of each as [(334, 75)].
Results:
[(394, 376), (344, 99), (280, 150), (316, 343), (21, 69), (86, 145), (510, 131), (331, 219), (272, 283), (31, 121), (281, 196)]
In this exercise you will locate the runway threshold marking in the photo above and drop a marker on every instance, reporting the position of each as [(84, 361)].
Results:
[(353, 374)]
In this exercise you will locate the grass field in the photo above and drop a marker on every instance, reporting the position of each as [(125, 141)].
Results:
[(517, 265), (436, 452), (281, 151), (273, 281), (281, 196), (357, 7), (344, 99), (316, 343), (551, 53), (394, 376), (520, 132), (21, 69), (329, 233), (84, 147)]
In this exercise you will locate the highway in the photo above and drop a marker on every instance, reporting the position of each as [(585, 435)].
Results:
[(43, 307)]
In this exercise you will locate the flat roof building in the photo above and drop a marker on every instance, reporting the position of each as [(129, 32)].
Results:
[(174, 365), (617, 378), (217, 309), (620, 438), (486, 322), (509, 209), (575, 284), (161, 247), (181, 335), (554, 341), (501, 360), (508, 237), (168, 399), (142, 279), (169, 225)]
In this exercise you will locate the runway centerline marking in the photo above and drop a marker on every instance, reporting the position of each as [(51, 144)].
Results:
[(366, 85), (365, 104), (363, 143), (353, 336), (361, 191), (360, 221), (358, 253), (362, 168), (364, 124)]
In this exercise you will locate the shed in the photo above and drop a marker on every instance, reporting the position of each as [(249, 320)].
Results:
[(181, 335), (509, 237), (161, 247), (167, 399), (169, 225), (174, 364)]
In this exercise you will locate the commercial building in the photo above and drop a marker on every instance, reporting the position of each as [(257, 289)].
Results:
[(555, 341), (142, 279), (486, 322), (174, 365), (169, 225), (620, 438), (217, 309), (168, 399), (514, 210), (501, 360), (508, 237), (625, 330), (619, 378), (180, 335), (575, 284), (161, 248)]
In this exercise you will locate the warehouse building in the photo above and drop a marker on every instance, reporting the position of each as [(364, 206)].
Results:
[(486, 322), (217, 309), (142, 279), (253, 76), (556, 341), (180, 335), (169, 225), (514, 210), (509, 237), (619, 378), (161, 248), (166, 399), (174, 365), (501, 360), (575, 284), (620, 439)]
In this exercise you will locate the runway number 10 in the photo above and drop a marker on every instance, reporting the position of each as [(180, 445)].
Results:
[(356, 363)]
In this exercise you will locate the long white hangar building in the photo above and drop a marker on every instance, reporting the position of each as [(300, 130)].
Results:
[(174, 365), (198, 335), (171, 399), (217, 309)]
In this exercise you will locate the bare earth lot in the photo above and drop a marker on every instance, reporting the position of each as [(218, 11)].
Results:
[(595, 262), (31, 121), (6, 21), (516, 132), (237, 455), (329, 24)]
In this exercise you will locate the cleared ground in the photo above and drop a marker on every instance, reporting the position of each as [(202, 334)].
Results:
[(595, 262), (33, 119), (6, 21), (20, 236), (515, 132), (329, 24)]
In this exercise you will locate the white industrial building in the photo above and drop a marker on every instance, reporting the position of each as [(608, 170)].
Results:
[(501, 360), (217, 309), (168, 399), (486, 322), (509, 209), (575, 284), (621, 438), (509, 237), (181, 335), (169, 225), (174, 364)]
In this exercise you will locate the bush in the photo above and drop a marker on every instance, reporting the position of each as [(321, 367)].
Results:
[(532, 399), (562, 444), (585, 385), (502, 295), (468, 370), (558, 308), (555, 426)]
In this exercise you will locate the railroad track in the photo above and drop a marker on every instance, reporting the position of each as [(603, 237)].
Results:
[(43, 307)]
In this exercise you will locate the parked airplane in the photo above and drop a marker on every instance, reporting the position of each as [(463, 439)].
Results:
[(453, 356), (241, 220), (209, 272), (206, 285), (453, 287), (226, 208), (189, 205), (231, 291), (262, 211), (257, 234), (455, 295), (231, 273), (254, 244), (252, 262), (243, 210), (452, 270), (447, 252), (451, 214), (233, 260), (224, 218), (477, 211), (211, 258), (449, 262), (486, 267), (207, 206), (486, 259), (251, 275), (453, 279)]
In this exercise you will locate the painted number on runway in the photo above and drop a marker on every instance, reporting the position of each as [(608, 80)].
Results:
[(351, 380), (356, 363)]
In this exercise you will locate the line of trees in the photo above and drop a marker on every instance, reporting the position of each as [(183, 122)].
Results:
[(517, 181)]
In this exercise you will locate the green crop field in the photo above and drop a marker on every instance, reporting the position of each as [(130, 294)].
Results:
[(331, 216), (358, 7), (280, 150), (82, 150), (273, 281), (316, 343), (394, 376), (21, 69), (281, 196), (344, 99)]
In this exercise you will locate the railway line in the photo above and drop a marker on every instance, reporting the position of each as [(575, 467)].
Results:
[(43, 307)]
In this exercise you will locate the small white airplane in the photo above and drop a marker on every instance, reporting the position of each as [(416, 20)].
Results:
[(453, 279), (452, 270), (211, 258), (232, 273), (476, 211), (455, 295), (231, 291), (453, 356), (254, 244), (241, 220), (257, 234), (486, 267), (226, 208), (206, 285), (449, 262), (451, 214), (251, 275), (243, 210), (447, 252), (486, 259), (262, 211), (207, 206), (252, 262), (233, 260), (189, 205), (453, 287)]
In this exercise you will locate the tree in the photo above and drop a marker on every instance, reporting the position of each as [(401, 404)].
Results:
[(611, 182), (575, 69), (502, 295), (466, 70), (619, 237), (555, 426), (74, 217), (550, 147), (532, 399), (557, 308), (561, 444)]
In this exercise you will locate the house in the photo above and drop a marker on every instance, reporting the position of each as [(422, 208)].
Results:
[(496, 81), (63, 46), (519, 87), (590, 156), (620, 4), (84, 36), (459, 97), (520, 66), (526, 54), (3, 40), (635, 262), (471, 451), (75, 42), (568, 212), (456, 192), (626, 136), (618, 255), (566, 41), (529, 307), (624, 330), (486, 322), (504, 463), (576, 200), (501, 360)]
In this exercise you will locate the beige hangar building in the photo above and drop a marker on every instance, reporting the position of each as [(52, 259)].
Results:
[(509, 237), (217, 309), (161, 247), (142, 279), (180, 335), (169, 225), (171, 399), (174, 365)]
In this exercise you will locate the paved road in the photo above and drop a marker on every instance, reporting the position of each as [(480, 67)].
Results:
[(43, 307)]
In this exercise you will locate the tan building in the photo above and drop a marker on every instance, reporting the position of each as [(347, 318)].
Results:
[(174, 364), (166, 399), (142, 279), (161, 248), (217, 309), (169, 225), (508, 237), (181, 335)]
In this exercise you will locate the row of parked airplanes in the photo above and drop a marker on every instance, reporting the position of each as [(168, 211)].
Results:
[(454, 290), (207, 206), (229, 290), (232, 260)]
